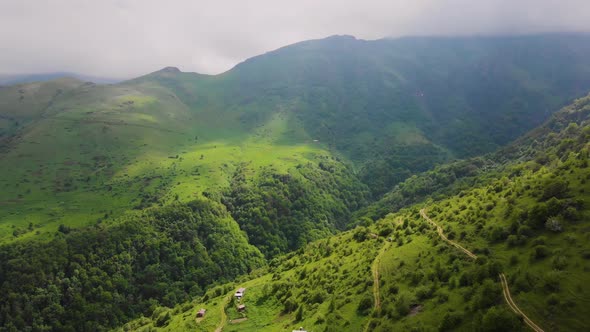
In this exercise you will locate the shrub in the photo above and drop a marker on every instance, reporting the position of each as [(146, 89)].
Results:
[(385, 231), (393, 289), (360, 234), (551, 281), (537, 216), (553, 299), (524, 230), (540, 252), (424, 292), (289, 306), (559, 262), (499, 319), (299, 314), (365, 305), (488, 295), (553, 224), (402, 304), (513, 260), (512, 240), (450, 321), (442, 297), (554, 188), (540, 240)]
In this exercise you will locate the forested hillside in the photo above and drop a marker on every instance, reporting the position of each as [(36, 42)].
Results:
[(390, 108), (451, 178), (118, 202), (101, 276), (527, 221)]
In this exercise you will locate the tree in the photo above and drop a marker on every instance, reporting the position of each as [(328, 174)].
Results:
[(553, 224), (299, 314), (499, 319), (365, 305)]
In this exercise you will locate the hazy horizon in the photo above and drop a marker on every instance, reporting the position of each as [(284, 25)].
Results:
[(127, 38)]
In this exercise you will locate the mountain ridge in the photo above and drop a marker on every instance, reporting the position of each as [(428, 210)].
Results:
[(283, 153)]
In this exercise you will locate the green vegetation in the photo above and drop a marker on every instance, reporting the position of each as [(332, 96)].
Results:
[(427, 284), (131, 206), (283, 212), (101, 276)]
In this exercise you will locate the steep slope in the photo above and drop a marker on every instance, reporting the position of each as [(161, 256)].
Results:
[(525, 228), (397, 107), (393, 108), (26, 103), (461, 175), (96, 151), (102, 276)]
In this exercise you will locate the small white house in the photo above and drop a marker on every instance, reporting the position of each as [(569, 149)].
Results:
[(240, 293)]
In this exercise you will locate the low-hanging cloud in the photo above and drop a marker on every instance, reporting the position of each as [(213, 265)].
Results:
[(126, 38)]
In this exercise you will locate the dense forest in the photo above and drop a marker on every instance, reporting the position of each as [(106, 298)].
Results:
[(283, 212), (99, 277)]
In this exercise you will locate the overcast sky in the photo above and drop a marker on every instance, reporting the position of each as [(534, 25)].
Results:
[(127, 38)]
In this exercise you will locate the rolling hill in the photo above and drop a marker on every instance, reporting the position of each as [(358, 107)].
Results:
[(122, 200), (442, 264), (74, 152)]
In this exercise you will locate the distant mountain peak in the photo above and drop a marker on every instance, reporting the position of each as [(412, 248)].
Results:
[(349, 37), (169, 70)]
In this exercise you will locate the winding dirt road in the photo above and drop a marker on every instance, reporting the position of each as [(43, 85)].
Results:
[(513, 305), (503, 280), (376, 289), (444, 237)]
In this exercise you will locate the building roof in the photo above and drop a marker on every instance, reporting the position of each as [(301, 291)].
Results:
[(241, 290)]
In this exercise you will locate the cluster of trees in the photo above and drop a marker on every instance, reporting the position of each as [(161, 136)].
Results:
[(101, 277), (281, 212)]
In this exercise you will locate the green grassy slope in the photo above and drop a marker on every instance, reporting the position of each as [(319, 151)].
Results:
[(528, 220), (75, 153), (97, 151)]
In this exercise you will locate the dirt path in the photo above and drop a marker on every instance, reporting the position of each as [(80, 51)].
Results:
[(444, 237), (223, 315), (513, 305), (503, 280), (375, 268)]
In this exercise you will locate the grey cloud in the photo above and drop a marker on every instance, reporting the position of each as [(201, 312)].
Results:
[(126, 38)]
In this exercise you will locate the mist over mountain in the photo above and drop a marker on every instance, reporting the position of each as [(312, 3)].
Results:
[(29, 78), (347, 184)]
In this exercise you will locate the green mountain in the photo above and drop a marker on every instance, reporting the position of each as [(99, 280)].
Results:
[(120, 200), (526, 221), (74, 152)]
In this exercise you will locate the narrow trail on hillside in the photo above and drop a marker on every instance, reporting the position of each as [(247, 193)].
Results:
[(223, 315), (375, 268), (503, 280), (444, 237), (376, 289), (513, 305)]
